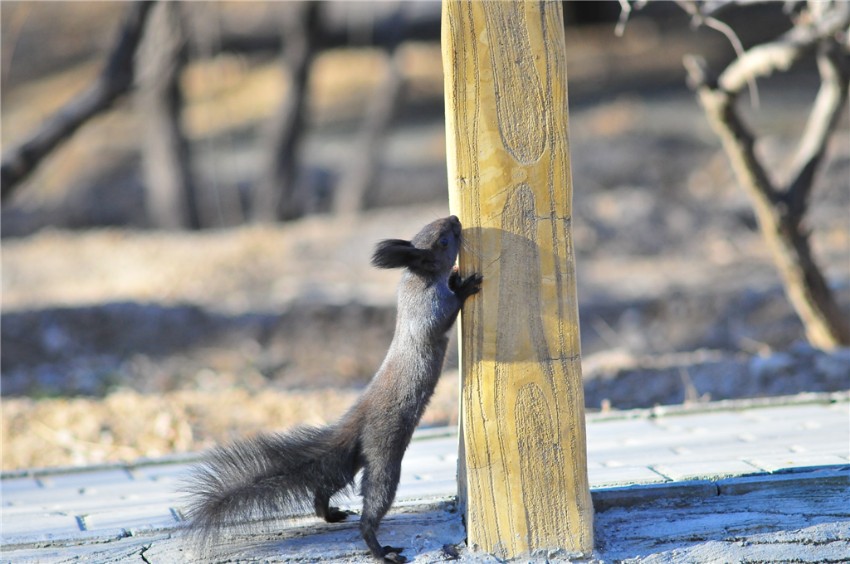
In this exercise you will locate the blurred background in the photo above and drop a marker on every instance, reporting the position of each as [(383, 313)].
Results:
[(192, 191)]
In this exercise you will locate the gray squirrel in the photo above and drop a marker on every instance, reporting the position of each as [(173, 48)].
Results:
[(299, 470)]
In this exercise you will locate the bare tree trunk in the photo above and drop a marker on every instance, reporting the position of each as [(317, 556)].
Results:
[(357, 189), (780, 213), (277, 196), (171, 198), (115, 79), (220, 202)]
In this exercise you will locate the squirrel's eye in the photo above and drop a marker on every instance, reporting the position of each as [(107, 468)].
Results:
[(444, 242)]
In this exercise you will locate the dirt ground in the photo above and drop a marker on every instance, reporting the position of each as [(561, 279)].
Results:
[(120, 342)]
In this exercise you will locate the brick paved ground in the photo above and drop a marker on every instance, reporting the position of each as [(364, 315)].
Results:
[(728, 481)]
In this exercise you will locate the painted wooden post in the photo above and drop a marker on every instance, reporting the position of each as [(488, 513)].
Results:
[(523, 460)]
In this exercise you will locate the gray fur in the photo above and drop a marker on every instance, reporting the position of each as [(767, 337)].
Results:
[(270, 474)]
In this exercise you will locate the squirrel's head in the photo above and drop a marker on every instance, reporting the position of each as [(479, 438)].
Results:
[(431, 252)]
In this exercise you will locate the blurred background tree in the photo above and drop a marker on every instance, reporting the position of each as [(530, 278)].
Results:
[(152, 53), (821, 28), (155, 52)]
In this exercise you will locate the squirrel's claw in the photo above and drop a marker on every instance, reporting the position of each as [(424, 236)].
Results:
[(393, 554), (394, 557), (465, 287)]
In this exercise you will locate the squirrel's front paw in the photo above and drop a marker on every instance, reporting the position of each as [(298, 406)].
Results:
[(465, 287)]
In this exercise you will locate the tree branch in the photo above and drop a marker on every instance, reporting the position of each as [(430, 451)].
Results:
[(834, 67), (780, 55), (115, 79), (736, 136)]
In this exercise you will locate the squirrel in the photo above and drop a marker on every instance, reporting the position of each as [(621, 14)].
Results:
[(304, 468)]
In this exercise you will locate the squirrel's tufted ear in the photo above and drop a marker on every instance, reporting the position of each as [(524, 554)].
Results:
[(398, 253)]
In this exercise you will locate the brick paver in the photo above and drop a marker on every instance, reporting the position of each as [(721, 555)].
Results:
[(651, 453)]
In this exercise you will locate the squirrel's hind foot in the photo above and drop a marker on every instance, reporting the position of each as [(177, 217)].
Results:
[(393, 554), (335, 514)]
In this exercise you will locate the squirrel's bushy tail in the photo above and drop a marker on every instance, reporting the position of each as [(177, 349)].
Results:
[(266, 476)]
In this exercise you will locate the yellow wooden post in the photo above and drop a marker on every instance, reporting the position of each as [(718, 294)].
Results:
[(523, 462)]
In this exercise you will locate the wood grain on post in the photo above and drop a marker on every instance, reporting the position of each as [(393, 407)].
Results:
[(523, 462)]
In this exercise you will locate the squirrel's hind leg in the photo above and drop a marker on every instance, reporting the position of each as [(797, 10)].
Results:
[(378, 487)]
